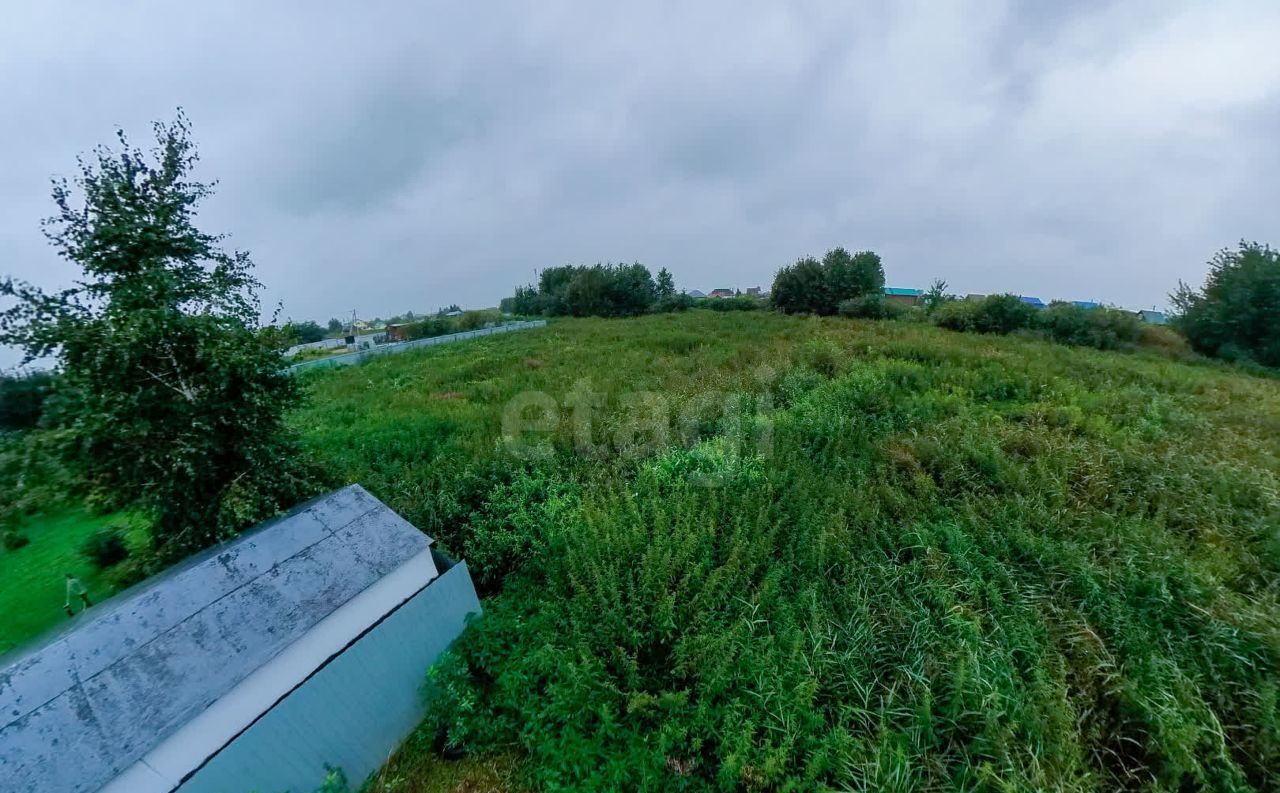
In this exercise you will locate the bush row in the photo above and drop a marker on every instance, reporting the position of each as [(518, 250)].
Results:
[(1100, 327)]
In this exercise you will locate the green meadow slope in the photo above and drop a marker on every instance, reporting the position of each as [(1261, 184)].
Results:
[(904, 559)]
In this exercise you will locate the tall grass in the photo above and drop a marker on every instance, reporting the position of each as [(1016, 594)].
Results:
[(955, 562)]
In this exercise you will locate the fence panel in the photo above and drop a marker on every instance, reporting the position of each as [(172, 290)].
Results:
[(359, 356)]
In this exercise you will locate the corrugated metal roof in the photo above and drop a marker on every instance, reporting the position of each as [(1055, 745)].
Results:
[(897, 290), (90, 701)]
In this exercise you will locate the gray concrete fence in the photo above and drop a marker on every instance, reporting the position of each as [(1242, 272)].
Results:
[(401, 346)]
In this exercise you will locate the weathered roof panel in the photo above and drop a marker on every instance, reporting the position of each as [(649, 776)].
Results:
[(91, 700)]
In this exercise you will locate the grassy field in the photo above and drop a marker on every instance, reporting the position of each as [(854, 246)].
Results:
[(34, 576), (758, 552)]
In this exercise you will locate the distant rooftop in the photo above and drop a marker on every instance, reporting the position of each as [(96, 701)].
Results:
[(900, 291)]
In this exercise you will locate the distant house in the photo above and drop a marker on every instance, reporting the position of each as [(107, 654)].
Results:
[(696, 293), (1032, 301), (251, 666), (721, 293), (457, 312), (1152, 317), (1084, 304), (906, 297), (398, 332), (973, 297), (753, 291)]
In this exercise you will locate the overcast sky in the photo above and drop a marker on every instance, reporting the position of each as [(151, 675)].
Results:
[(389, 156)]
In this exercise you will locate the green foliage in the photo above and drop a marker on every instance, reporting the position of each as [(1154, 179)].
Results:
[(1236, 315), (935, 296), (676, 302), (961, 562), (1165, 340), (335, 781), (818, 288), (307, 332), (851, 275), (472, 320), (171, 399), (666, 285), (735, 303), (871, 306), (427, 327), (957, 315), (32, 477), (508, 531), (1100, 327), (22, 399), (800, 288), (417, 768), (14, 539), (1004, 314), (106, 547), (601, 290), (993, 314), (822, 355)]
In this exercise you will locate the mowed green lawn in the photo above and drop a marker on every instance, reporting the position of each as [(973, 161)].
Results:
[(34, 583)]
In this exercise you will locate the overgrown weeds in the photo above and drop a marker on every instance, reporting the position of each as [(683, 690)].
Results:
[(940, 562)]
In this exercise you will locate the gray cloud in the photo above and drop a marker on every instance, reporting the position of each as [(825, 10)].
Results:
[(401, 155)]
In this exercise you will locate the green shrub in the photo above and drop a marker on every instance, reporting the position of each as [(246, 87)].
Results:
[(735, 303), (872, 306), (509, 530), (1004, 314), (822, 356), (14, 539), (672, 303), (473, 320), (22, 399), (106, 547), (1163, 339), (1236, 315), (132, 570), (1100, 327), (600, 290), (813, 287), (958, 315)]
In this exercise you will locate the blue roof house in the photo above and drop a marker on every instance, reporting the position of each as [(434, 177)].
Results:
[(1032, 301), (907, 297), (302, 642), (1084, 304), (1153, 317)]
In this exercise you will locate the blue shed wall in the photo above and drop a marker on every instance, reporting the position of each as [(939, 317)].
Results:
[(355, 710)]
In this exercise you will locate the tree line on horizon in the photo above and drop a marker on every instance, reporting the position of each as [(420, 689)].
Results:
[(1235, 316)]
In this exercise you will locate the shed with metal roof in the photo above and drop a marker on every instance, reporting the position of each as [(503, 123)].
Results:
[(903, 295), (300, 644)]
